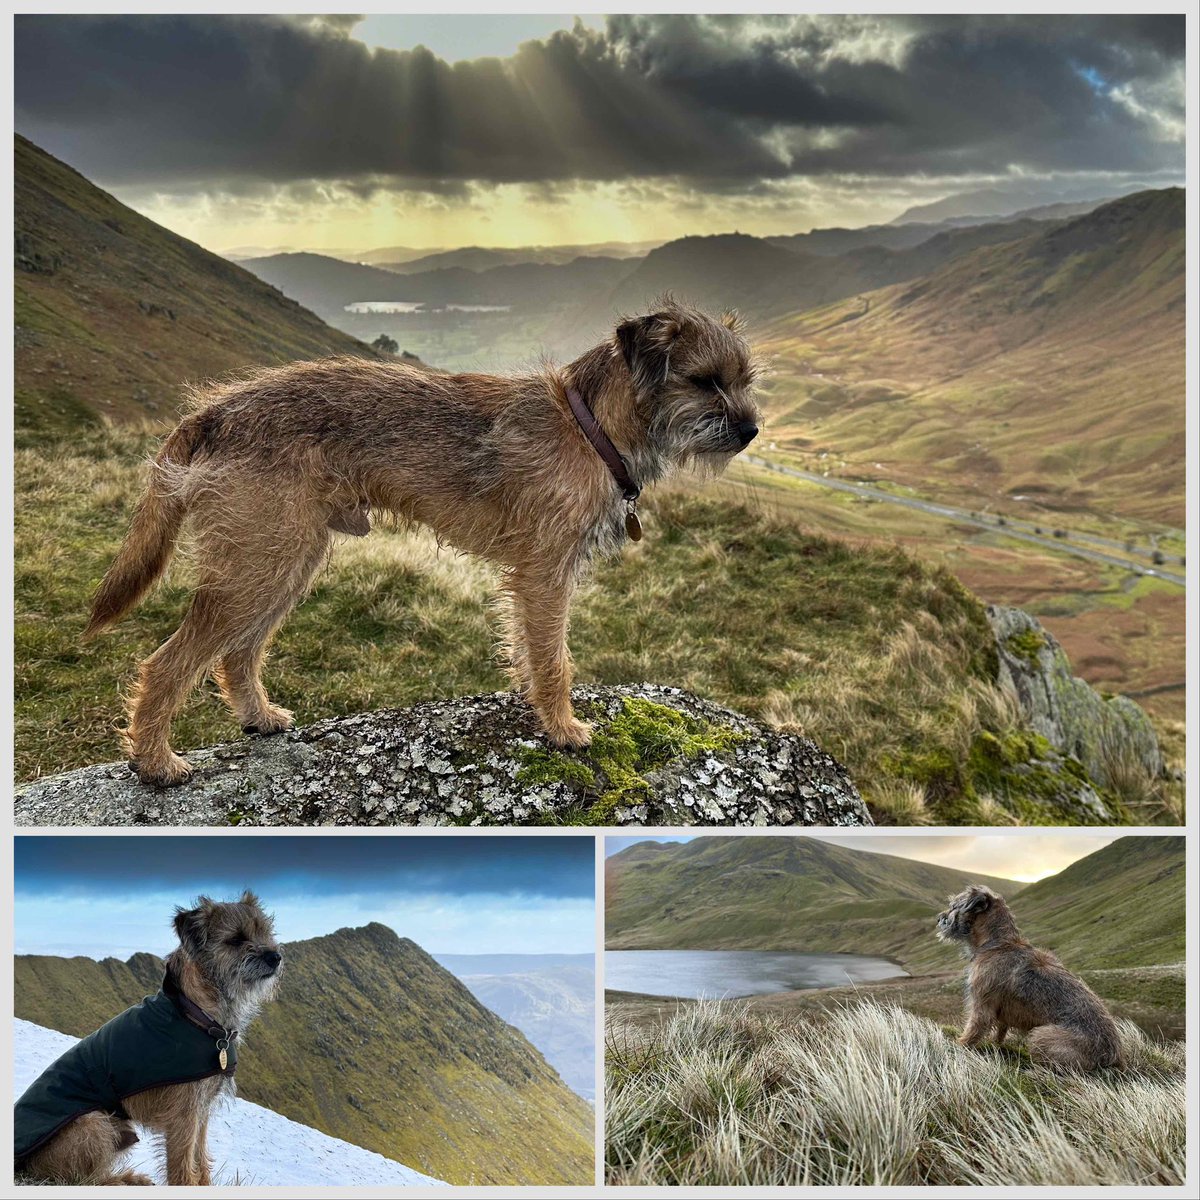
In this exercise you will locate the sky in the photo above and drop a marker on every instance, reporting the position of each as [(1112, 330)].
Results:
[(101, 896), (1026, 856), (346, 132)]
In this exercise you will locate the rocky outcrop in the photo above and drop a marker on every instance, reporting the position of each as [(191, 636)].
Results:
[(1097, 731), (659, 756)]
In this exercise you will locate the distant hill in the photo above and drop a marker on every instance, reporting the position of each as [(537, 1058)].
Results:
[(555, 1008), (1122, 906), (482, 258), (773, 893), (370, 1041), (1050, 366), (328, 285), (765, 277), (988, 204), (113, 312)]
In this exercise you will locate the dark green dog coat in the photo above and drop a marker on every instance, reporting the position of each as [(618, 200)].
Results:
[(164, 1040)]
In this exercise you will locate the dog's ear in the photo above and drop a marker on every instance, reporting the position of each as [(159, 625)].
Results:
[(646, 346), (732, 320), (981, 901), (248, 897), (191, 925)]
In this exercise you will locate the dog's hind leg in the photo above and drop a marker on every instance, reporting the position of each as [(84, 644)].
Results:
[(240, 671), (542, 611), (250, 578), (1061, 1049), (85, 1153)]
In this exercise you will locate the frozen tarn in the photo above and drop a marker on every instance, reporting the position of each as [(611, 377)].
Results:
[(250, 1145)]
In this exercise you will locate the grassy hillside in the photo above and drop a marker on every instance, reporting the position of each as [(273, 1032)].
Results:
[(114, 312), (885, 662), (770, 277), (1050, 368), (372, 1042), (1122, 906), (871, 1095), (770, 893)]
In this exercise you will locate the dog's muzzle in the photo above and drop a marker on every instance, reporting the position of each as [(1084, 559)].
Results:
[(746, 431)]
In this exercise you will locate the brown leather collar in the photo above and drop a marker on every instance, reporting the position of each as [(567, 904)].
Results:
[(193, 1012), (603, 446)]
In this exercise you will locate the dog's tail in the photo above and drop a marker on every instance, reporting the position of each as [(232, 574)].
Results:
[(152, 533)]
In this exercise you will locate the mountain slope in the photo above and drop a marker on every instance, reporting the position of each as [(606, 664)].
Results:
[(1050, 368), (767, 893), (555, 1008), (112, 311), (250, 1145), (372, 1042), (1120, 907)]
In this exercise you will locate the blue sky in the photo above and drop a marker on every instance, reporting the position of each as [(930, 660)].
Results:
[(460, 894)]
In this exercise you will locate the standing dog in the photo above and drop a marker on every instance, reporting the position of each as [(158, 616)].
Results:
[(161, 1064), (536, 473), (1012, 985)]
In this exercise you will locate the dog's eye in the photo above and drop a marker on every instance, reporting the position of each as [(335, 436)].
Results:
[(709, 383), (238, 939)]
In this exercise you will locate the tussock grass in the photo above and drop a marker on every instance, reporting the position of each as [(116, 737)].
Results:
[(868, 1094)]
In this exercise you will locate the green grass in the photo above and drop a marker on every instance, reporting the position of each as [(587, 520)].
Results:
[(883, 661)]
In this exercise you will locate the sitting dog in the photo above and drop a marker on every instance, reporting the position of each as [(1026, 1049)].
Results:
[(1012, 985), (536, 473), (161, 1064)]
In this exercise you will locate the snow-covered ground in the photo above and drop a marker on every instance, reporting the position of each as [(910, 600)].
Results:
[(250, 1145)]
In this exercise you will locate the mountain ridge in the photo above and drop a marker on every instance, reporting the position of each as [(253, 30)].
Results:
[(371, 1041)]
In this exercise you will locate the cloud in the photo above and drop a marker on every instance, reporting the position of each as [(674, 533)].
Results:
[(321, 866), (712, 103)]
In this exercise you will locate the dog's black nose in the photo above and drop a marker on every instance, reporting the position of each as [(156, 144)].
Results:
[(272, 958), (747, 432)]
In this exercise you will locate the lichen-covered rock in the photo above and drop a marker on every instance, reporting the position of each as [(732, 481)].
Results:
[(1070, 714), (659, 756)]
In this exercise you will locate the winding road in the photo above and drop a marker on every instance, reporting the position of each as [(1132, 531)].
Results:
[(1007, 526)]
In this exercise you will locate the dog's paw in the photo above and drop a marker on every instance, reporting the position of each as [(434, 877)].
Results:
[(271, 720), (570, 735), (166, 772)]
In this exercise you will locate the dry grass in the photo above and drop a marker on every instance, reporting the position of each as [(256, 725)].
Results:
[(873, 1095)]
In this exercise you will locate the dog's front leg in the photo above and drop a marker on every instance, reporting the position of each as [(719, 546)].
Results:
[(979, 1025), (202, 1161), (181, 1153), (542, 615)]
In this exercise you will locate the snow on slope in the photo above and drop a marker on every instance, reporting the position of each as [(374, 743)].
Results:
[(249, 1144)]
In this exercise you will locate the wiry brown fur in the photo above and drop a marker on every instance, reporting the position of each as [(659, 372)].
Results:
[(227, 962), (268, 465), (1012, 985)]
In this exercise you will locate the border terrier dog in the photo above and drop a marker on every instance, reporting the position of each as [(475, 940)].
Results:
[(161, 1064), (536, 473), (1011, 984)]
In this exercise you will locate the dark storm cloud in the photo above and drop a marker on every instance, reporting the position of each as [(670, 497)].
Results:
[(548, 867), (208, 102)]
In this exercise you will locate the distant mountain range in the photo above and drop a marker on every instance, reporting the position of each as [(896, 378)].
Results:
[(113, 312), (1122, 906), (1050, 366), (372, 1042)]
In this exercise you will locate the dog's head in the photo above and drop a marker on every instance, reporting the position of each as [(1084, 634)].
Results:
[(693, 380), (972, 912), (232, 946)]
